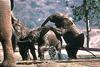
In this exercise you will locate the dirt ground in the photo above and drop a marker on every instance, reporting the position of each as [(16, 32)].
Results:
[(70, 63), (85, 59), (62, 65)]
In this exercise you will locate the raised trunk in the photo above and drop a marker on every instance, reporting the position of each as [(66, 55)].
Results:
[(6, 33)]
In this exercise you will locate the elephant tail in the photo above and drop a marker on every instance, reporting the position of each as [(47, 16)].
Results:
[(88, 51)]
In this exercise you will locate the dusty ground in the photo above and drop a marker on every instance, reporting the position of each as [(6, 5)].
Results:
[(72, 64), (85, 59)]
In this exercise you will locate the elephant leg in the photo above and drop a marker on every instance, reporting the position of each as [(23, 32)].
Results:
[(59, 51), (59, 55), (8, 54), (42, 51), (39, 52), (6, 33), (40, 40), (23, 51), (74, 46), (32, 50), (80, 40), (71, 51)]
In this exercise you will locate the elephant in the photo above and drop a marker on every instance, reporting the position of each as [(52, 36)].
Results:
[(47, 41), (70, 32), (23, 41), (6, 34), (27, 39)]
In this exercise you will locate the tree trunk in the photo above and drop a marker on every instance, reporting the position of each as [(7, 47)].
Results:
[(86, 20)]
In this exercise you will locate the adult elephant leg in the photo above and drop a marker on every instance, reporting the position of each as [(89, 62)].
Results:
[(6, 33), (40, 40), (8, 53), (72, 51), (73, 46)]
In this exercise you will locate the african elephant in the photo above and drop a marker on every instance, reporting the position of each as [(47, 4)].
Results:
[(46, 41), (70, 32), (23, 41), (6, 33), (50, 40), (27, 38)]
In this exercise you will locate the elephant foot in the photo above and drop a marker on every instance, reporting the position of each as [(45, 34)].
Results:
[(73, 57), (7, 64), (72, 52)]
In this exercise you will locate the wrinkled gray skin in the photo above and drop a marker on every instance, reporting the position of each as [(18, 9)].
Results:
[(27, 38), (44, 43), (70, 32), (50, 39), (23, 41), (6, 33)]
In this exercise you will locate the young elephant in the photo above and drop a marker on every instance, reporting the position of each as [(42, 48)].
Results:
[(25, 45), (50, 40), (6, 33), (45, 42), (23, 41)]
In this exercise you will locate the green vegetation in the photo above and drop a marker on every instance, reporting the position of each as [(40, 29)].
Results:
[(89, 10)]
